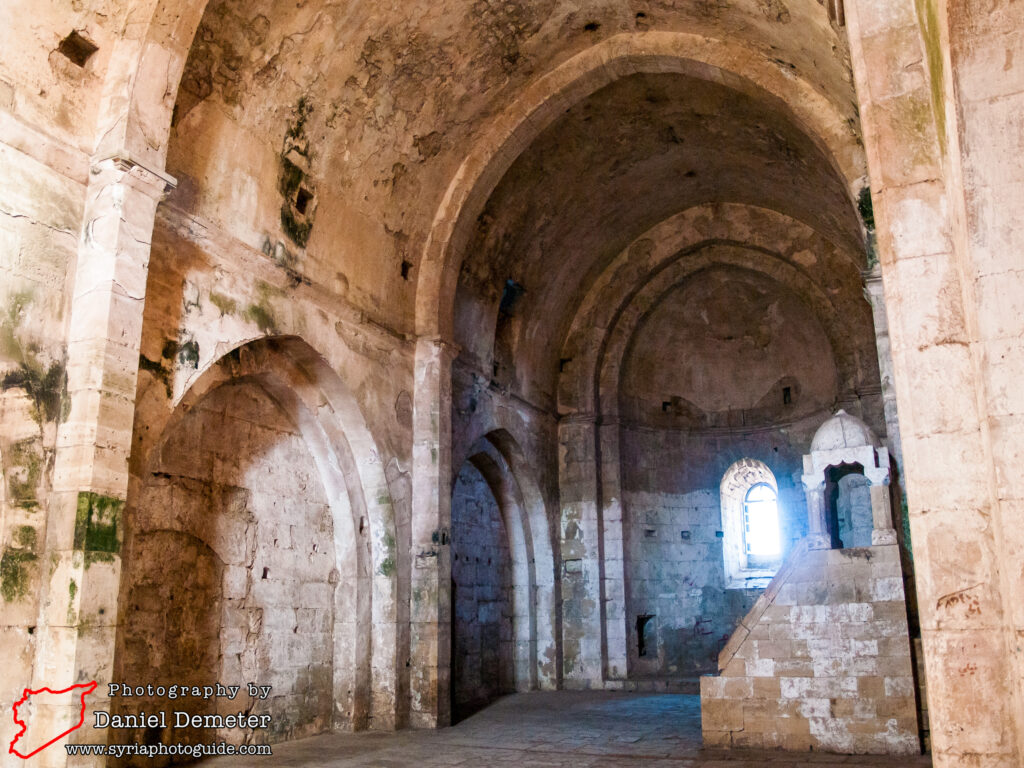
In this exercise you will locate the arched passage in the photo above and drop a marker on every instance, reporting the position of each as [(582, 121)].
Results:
[(502, 579)]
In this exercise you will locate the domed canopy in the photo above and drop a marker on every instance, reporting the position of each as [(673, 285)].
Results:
[(843, 431)]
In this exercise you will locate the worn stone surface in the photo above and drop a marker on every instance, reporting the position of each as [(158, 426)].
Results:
[(564, 729), (824, 664)]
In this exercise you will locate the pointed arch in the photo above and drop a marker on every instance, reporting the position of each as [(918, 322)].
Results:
[(732, 64)]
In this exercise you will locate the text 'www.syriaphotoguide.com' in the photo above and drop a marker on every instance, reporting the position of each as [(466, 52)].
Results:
[(159, 750)]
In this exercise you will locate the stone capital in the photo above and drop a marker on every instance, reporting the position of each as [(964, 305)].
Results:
[(580, 417), (150, 181), (818, 541), (883, 536), (814, 482), (438, 347)]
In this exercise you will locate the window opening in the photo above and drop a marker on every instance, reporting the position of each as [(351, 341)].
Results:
[(761, 525)]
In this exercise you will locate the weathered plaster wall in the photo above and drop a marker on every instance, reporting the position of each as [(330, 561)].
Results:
[(44, 91), (40, 213), (659, 146), (235, 500), (374, 107), (721, 350), (482, 639)]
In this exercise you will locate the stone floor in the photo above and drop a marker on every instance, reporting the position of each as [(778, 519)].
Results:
[(579, 729)]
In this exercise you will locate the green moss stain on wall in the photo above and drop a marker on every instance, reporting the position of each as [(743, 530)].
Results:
[(44, 382), (27, 537), (928, 23), (262, 313), (296, 189), (225, 304), (96, 522), (16, 568), (24, 470)]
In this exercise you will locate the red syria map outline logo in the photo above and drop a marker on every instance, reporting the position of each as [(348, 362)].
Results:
[(87, 688)]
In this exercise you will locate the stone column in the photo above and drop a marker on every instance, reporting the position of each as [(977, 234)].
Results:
[(948, 236), (581, 567), (876, 297), (881, 505), (78, 615), (612, 555), (430, 612), (818, 536)]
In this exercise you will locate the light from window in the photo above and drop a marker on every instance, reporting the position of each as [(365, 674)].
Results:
[(761, 522)]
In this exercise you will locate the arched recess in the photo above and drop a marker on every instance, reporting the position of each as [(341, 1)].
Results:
[(326, 415), (733, 65), (499, 460), (744, 236), (743, 239), (705, 256)]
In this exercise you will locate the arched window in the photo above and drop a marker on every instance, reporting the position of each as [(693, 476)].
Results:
[(761, 525), (752, 541)]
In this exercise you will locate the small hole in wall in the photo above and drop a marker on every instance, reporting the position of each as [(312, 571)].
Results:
[(562, 362), (690, 174), (650, 533), (641, 15), (641, 632), (77, 49), (302, 200), (151, 736), (266, 572), (406, 267), (510, 296), (591, 26), (31, 630), (665, 405), (787, 395)]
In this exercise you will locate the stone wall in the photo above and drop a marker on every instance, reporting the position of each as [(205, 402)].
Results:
[(676, 597), (674, 534), (822, 662)]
